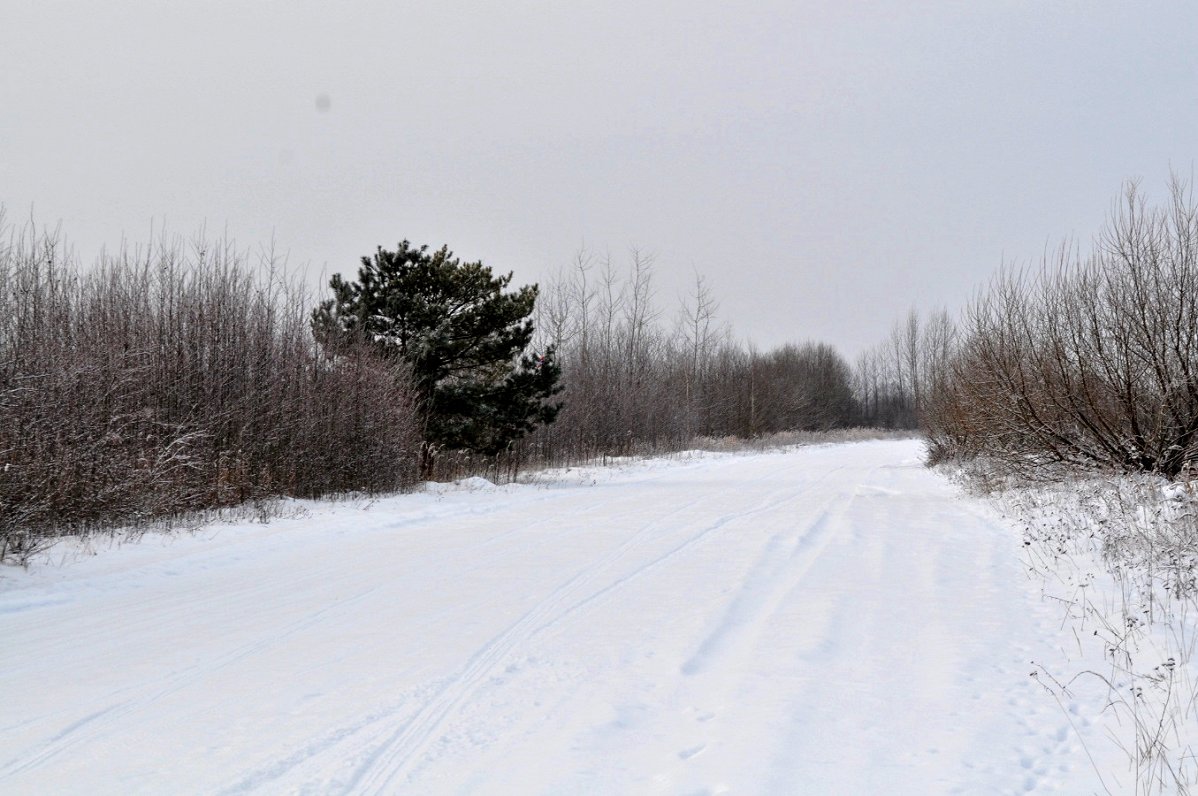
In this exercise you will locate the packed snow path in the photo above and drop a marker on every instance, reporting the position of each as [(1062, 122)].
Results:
[(833, 619)]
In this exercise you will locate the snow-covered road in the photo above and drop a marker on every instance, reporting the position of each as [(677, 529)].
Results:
[(832, 619)]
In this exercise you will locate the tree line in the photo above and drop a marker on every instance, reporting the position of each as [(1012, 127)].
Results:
[(186, 375), (639, 379)]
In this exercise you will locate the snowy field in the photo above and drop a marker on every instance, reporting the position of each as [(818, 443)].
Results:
[(832, 619)]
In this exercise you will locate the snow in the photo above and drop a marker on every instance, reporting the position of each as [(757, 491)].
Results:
[(828, 619)]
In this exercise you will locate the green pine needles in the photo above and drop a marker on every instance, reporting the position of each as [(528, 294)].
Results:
[(464, 338)]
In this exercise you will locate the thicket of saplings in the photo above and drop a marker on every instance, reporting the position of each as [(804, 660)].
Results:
[(172, 379), (1090, 363), (184, 376)]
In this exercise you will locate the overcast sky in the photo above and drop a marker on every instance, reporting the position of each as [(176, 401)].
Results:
[(825, 164)]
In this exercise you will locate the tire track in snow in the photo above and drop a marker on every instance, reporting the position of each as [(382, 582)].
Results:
[(778, 571), (773, 577), (687, 543), (380, 770), (766, 584)]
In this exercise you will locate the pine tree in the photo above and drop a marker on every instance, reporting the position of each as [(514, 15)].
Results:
[(464, 338)]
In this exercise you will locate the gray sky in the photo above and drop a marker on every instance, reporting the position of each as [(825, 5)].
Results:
[(825, 164)]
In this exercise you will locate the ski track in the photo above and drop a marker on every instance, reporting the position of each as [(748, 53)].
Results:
[(832, 619)]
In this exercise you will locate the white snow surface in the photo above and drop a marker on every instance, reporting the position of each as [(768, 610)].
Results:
[(827, 620)]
